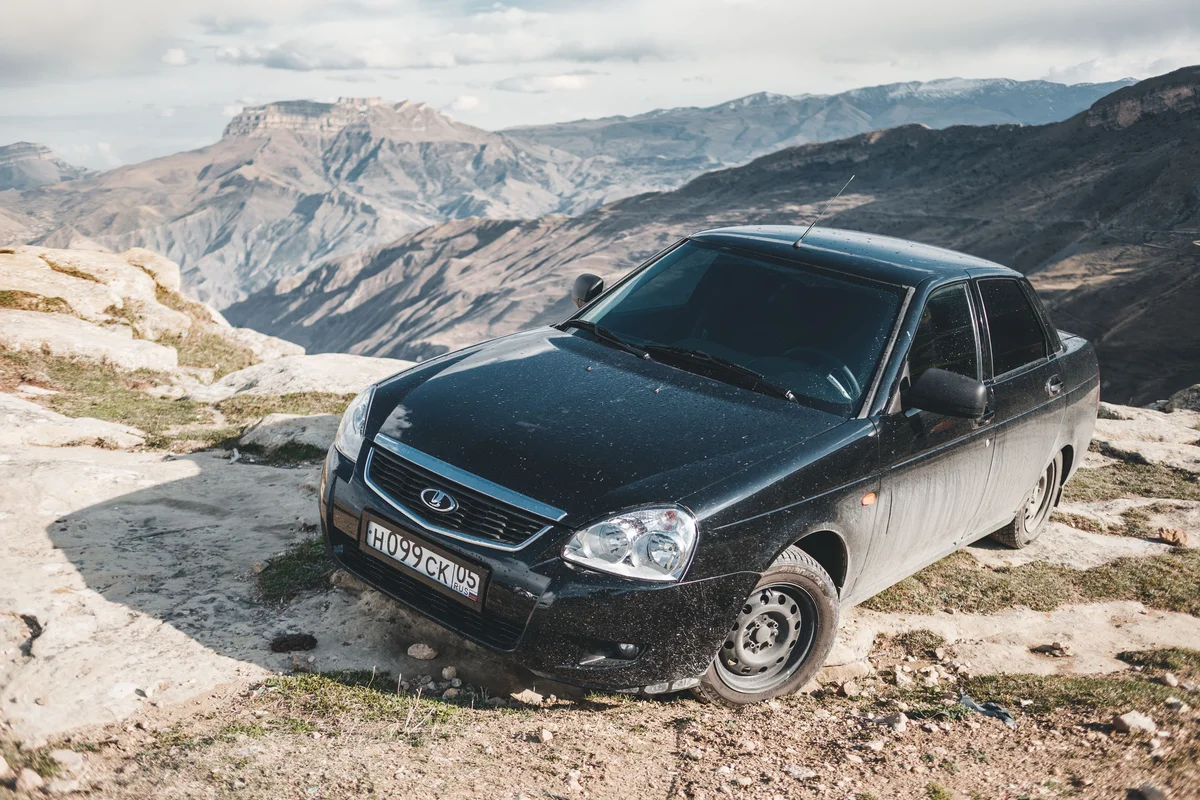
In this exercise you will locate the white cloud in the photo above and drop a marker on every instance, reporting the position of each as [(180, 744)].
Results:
[(176, 57), (466, 102), (541, 84), (231, 111)]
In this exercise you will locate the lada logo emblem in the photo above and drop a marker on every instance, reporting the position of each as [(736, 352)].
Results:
[(438, 500)]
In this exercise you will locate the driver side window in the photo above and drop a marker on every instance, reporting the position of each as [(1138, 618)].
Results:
[(945, 335)]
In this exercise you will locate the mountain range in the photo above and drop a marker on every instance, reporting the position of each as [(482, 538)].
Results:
[(293, 184), (1101, 210), (24, 165)]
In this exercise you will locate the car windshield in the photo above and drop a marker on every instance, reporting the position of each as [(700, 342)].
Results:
[(816, 334)]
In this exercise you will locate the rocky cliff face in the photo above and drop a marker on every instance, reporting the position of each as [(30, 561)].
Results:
[(24, 165), (1102, 218), (293, 183)]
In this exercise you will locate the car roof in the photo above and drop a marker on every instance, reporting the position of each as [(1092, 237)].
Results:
[(867, 255)]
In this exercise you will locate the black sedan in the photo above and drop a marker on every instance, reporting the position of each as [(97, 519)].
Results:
[(681, 485)]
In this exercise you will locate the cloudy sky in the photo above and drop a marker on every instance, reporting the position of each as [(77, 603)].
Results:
[(116, 81)]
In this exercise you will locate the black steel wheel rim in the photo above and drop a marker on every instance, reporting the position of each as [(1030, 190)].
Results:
[(771, 638)]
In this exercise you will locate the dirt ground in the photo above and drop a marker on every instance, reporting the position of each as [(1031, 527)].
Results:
[(145, 589)]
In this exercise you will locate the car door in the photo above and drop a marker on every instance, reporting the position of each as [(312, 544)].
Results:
[(1026, 390), (935, 467)]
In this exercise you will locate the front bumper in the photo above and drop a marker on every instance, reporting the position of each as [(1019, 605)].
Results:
[(558, 620)]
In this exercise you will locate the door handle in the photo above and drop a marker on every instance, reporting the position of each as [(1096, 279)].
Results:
[(1054, 386)]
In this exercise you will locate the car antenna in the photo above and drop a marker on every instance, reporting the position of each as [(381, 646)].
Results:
[(823, 210)]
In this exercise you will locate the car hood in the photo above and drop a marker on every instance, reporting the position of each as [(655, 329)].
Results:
[(582, 426)]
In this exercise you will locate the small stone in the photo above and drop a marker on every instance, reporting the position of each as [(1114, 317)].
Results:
[(573, 784), (1148, 791), (422, 652), (903, 678), (62, 786), (456, 682), (1025, 703), (1170, 680), (852, 758), (257, 568), (41, 701), (300, 663), (1175, 704), (799, 773), (930, 727), (545, 736), (6, 773), (450, 693), (528, 697), (449, 673), (743, 781), (1134, 721), (898, 722), (68, 760), (939, 653), (748, 745), (850, 689), (693, 753), (724, 769), (29, 781), (875, 746)]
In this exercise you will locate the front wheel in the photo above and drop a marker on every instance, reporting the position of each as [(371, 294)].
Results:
[(781, 637), (1035, 509)]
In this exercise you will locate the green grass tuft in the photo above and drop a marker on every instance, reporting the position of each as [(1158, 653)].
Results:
[(1180, 660), (287, 454), (1050, 693), (935, 791), (304, 567), (362, 695)]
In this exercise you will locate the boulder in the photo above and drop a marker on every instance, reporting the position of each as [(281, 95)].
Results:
[(1184, 400), (164, 271), (68, 336), (25, 422), (276, 430), (337, 373), (1146, 436)]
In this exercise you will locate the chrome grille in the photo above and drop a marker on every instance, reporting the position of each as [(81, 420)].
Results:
[(477, 516)]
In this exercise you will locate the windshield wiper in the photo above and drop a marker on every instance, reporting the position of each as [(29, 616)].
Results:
[(724, 365), (605, 335)]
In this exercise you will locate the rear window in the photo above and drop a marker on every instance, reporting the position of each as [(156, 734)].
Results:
[(1016, 332)]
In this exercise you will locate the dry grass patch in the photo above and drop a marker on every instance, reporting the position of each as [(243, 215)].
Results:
[(1166, 581), (67, 269), (88, 389), (1125, 479), (246, 407), (28, 301), (207, 350)]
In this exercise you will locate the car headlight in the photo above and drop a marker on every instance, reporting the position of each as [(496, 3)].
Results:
[(652, 544), (353, 426)]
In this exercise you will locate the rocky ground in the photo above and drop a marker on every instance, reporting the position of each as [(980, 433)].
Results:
[(168, 624)]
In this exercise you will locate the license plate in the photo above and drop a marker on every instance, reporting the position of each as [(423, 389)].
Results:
[(424, 561)]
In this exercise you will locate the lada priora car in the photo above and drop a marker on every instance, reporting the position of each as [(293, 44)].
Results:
[(681, 485)]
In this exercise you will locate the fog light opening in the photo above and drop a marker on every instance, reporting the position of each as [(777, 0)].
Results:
[(601, 652)]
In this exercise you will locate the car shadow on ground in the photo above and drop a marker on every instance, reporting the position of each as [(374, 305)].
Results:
[(180, 549)]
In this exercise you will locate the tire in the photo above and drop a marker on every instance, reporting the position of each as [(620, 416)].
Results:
[(781, 637), (1036, 506)]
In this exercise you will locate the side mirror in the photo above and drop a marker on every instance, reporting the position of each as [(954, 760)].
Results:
[(586, 288), (947, 393)]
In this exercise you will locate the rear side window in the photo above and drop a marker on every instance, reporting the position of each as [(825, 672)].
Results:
[(945, 335), (1016, 333)]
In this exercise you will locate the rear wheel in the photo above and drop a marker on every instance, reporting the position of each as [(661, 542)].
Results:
[(781, 636), (1035, 509)]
